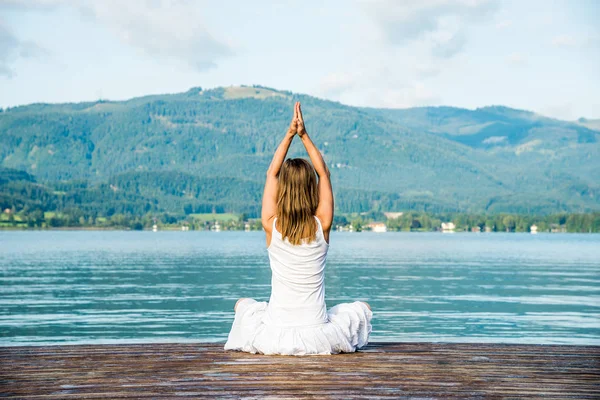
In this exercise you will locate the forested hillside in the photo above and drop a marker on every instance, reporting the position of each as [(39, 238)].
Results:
[(208, 150)]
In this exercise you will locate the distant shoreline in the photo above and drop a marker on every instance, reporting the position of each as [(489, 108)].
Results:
[(76, 228)]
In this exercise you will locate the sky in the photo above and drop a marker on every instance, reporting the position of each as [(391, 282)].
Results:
[(537, 55)]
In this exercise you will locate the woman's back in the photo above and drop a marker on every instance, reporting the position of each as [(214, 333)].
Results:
[(297, 283)]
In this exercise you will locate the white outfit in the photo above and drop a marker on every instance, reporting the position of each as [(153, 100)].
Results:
[(296, 321)]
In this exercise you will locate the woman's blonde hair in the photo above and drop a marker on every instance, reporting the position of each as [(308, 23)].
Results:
[(297, 200)]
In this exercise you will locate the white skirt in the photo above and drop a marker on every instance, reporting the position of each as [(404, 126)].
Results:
[(347, 329)]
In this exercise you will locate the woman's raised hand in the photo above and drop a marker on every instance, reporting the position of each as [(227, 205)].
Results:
[(297, 124), (300, 128), (293, 129)]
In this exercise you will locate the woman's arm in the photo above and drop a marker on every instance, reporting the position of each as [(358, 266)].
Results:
[(325, 207), (269, 203)]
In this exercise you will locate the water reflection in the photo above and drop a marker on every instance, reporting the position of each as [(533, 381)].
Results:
[(107, 287)]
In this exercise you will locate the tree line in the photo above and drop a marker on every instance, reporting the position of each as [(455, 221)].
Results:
[(409, 221)]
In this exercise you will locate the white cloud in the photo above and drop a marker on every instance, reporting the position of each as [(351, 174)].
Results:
[(12, 49), (169, 29), (417, 41), (447, 43), (376, 87), (166, 29), (440, 24)]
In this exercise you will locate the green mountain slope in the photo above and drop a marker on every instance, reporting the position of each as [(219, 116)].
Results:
[(496, 127), (176, 151)]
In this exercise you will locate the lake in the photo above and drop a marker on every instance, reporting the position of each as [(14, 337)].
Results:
[(67, 287)]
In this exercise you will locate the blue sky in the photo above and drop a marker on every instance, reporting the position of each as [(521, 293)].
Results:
[(542, 56)]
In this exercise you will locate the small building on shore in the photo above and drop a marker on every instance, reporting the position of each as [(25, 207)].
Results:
[(533, 229), (377, 227), (448, 227)]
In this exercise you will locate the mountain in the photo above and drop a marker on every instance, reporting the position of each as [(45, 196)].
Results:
[(211, 148), (496, 127), (590, 123)]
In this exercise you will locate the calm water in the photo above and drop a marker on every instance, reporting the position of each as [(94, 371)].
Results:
[(107, 287)]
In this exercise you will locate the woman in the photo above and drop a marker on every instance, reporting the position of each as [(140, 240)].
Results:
[(297, 213)]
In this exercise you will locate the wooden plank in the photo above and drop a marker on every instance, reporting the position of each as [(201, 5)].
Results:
[(381, 370)]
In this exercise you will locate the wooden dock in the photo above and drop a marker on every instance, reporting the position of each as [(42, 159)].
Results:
[(381, 370)]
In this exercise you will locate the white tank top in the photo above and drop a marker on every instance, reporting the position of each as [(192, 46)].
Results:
[(298, 281)]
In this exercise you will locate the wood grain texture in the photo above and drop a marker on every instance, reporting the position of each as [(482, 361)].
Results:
[(380, 370)]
